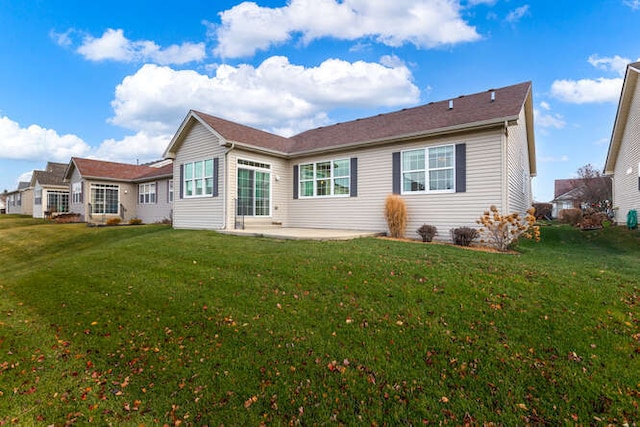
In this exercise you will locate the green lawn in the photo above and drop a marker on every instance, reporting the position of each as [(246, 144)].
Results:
[(147, 325)]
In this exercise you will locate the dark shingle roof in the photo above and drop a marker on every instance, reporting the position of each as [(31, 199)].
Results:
[(52, 175), (89, 168), (491, 106)]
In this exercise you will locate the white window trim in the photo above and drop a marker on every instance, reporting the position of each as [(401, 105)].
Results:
[(147, 193), (76, 192), (426, 171), (330, 178), (194, 179), (260, 167), (103, 186)]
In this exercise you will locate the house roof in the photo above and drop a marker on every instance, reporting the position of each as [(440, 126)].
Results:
[(569, 189), (53, 175), (112, 171), (495, 106), (622, 115)]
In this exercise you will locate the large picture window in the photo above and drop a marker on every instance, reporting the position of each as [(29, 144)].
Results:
[(198, 178), (428, 169), (105, 199), (254, 189), (327, 178), (58, 201), (147, 193)]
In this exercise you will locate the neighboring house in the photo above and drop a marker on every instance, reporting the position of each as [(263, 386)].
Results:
[(450, 161), (50, 192), (623, 158), (20, 200), (569, 193), (103, 190)]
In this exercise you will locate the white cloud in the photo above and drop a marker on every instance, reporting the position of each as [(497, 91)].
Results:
[(24, 177), (549, 120), (247, 27), (37, 143), (62, 39), (617, 64), (587, 91), (113, 45), (545, 106), (276, 95), (516, 15), (141, 147), (633, 4)]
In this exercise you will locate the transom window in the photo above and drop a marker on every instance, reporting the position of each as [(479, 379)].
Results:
[(328, 178), (105, 199), (198, 178), (428, 169), (147, 193)]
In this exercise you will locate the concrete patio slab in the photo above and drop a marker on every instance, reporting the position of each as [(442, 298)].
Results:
[(288, 233)]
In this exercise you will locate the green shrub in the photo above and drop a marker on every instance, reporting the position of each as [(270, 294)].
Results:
[(464, 236)]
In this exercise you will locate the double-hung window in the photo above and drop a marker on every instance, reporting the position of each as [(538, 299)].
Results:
[(76, 192), (428, 170), (170, 189), (105, 199), (147, 193), (198, 178), (327, 178)]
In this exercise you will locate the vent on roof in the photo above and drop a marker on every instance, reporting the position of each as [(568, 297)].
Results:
[(493, 95), (451, 104)]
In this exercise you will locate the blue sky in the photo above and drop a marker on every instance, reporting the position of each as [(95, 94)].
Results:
[(114, 80)]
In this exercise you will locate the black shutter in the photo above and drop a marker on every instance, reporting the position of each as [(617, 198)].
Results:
[(157, 196), (216, 164), (353, 191), (461, 168), (81, 191), (395, 173), (295, 182), (181, 184)]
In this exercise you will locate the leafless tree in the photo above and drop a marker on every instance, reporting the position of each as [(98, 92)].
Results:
[(594, 189)]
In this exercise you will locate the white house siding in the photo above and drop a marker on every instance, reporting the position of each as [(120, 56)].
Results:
[(199, 212), (626, 190), (443, 210), (518, 173), (38, 202), (281, 188), (159, 211)]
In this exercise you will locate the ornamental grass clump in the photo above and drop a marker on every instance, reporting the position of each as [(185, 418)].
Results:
[(500, 231), (395, 212)]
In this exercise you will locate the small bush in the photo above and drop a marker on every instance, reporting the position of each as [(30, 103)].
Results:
[(592, 219), (427, 232), (395, 212), (113, 221), (67, 218), (135, 221), (503, 230), (463, 236), (570, 216), (543, 210)]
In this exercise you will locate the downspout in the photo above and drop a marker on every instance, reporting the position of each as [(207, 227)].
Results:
[(505, 169), (225, 188)]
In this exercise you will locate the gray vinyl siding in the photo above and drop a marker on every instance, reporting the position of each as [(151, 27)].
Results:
[(27, 202), (159, 211), (519, 197), (281, 188), (199, 212), (444, 210), (626, 188), (78, 208)]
